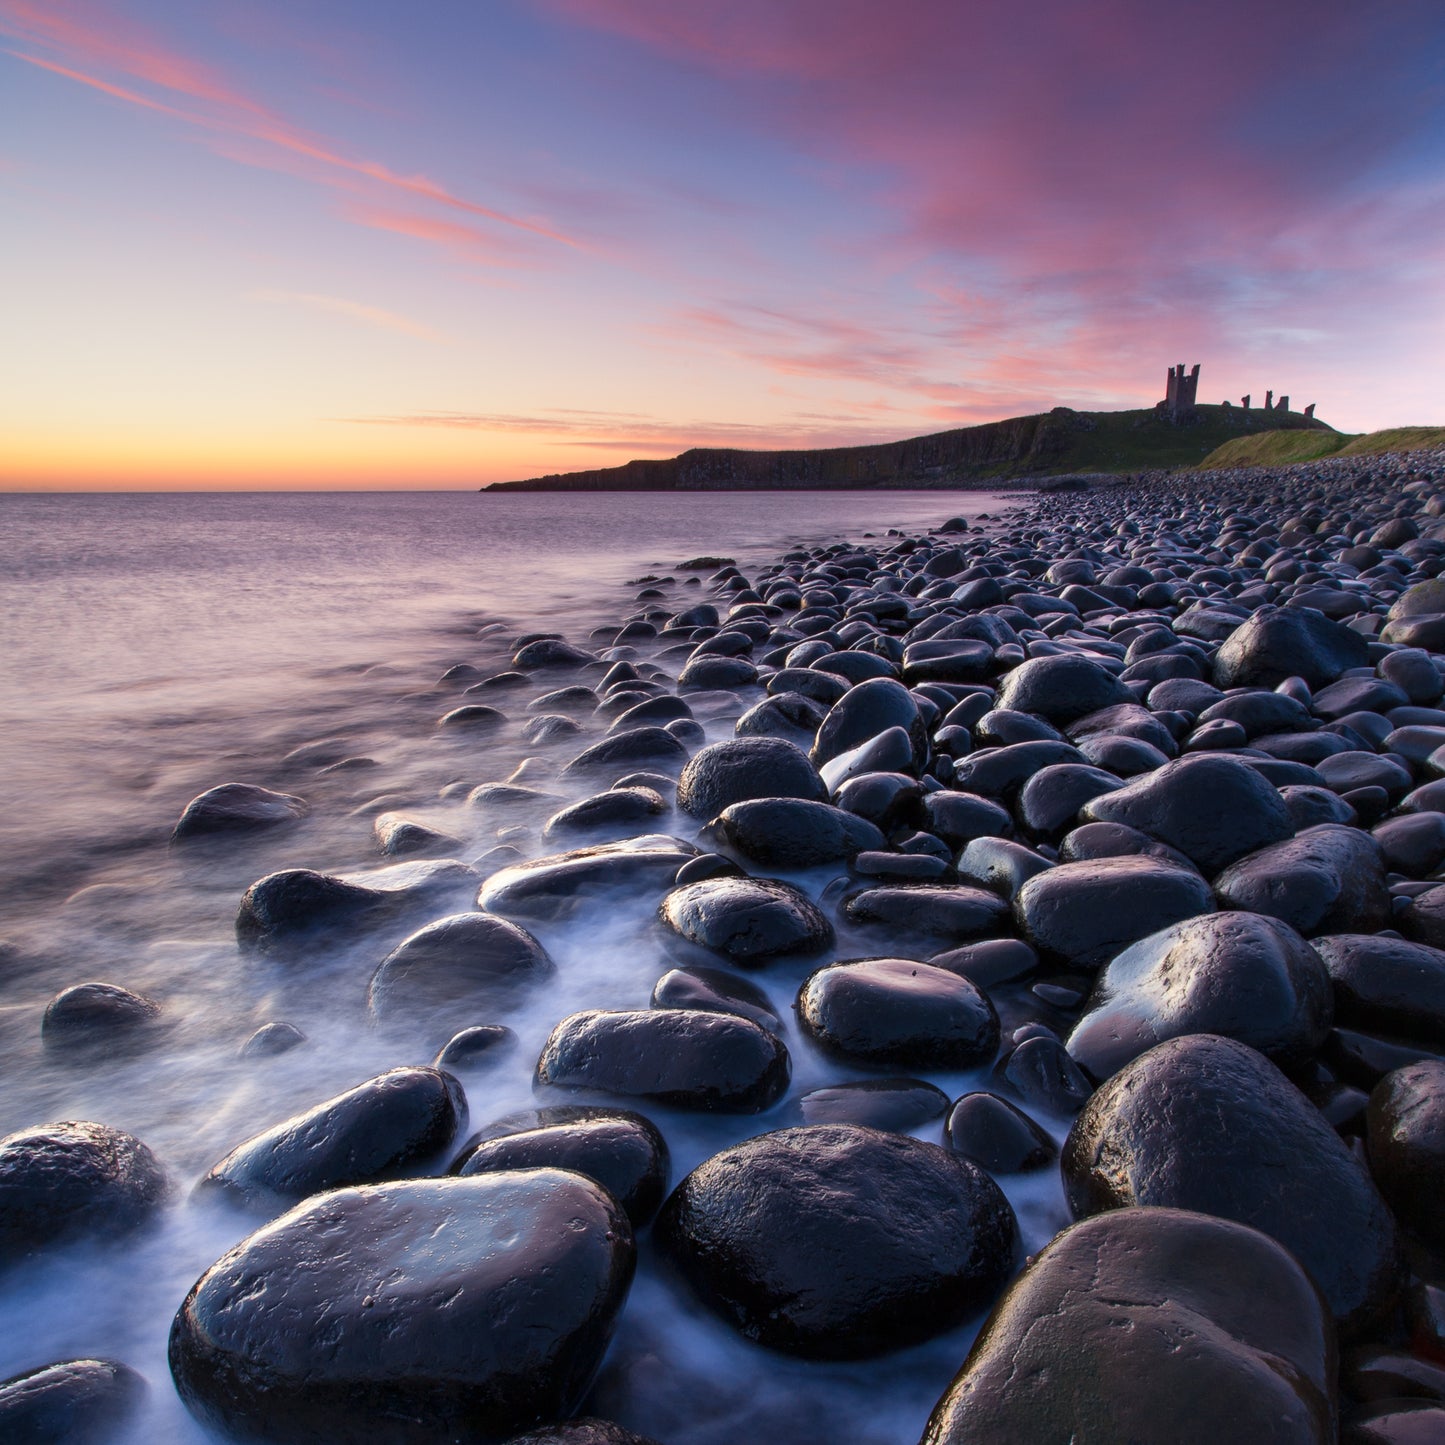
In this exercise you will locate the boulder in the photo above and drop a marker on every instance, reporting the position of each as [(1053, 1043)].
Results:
[(747, 920), (743, 768), (556, 886), (1405, 1137), (794, 832), (72, 1402), (1061, 688), (1276, 643), (237, 808)]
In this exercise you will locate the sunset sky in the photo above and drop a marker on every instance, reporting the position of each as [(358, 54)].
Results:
[(348, 243)]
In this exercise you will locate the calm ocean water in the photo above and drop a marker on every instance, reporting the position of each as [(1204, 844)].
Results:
[(157, 645)]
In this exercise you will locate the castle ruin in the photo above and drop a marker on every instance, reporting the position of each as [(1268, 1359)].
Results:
[(1183, 389)]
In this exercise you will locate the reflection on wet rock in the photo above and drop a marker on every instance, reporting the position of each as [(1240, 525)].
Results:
[(747, 920), (238, 808), (557, 885)]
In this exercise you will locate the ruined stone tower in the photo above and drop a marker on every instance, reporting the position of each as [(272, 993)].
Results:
[(1182, 390)]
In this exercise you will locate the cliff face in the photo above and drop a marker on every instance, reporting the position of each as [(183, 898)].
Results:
[(1049, 443)]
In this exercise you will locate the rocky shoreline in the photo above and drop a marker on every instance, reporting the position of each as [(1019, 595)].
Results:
[(1103, 847)]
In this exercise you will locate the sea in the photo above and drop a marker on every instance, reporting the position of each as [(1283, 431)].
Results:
[(154, 645)]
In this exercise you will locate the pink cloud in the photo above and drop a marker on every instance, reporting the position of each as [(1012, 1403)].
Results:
[(93, 37)]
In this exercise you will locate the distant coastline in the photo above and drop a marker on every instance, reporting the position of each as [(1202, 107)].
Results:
[(1019, 451)]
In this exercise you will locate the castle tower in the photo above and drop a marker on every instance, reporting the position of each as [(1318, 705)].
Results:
[(1182, 390)]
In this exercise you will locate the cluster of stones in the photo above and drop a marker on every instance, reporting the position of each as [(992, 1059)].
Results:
[(1140, 800)]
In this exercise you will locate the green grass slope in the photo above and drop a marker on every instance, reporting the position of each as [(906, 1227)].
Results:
[(1278, 448)]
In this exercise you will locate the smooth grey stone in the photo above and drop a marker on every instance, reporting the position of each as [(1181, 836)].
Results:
[(238, 808)]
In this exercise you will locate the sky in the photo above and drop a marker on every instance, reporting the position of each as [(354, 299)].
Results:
[(354, 244)]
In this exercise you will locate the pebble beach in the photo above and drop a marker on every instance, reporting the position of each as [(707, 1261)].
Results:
[(975, 983)]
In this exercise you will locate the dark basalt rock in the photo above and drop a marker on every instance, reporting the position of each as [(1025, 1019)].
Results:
[(555, 886), (472, 718), (1061, 688), (866, 711), (990, 962), (1042, 1074), (998, 865), (997, 1136), (835, 1241), (1209, 1124), (237, 808), (708, 673), (1386, 985), (748, 920), (890, 752), (1052, 797), (620, 809), (1309, 806), (1405, 1136), (1424, 919), (1212, 809), (469, 959), (936, 910), (959, 818), (1085, 913), (399, 836), (272, 1039), (885, 799), (68, 1179), (715, 990), (622, 752), (1242, 975), (897, 1106), (1282, 642), (794, 832), (689, 1058), (550, 652), (73, 1402), (98, 1015), (1329, 879), (1149, 1325), (386, 1128), (791, 716), (1001, 772), (408, 1313), (745, 768), (1412, 844), (622, 1150), (472, 1047), (897, 1011)]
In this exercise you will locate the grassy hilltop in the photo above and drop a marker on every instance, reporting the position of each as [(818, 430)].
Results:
[(1054, 443), (1274, 448)]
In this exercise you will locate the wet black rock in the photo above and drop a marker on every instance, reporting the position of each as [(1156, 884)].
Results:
[(996, 1135), (1405, 1137), (1042, 1074), (1328, 879), (834, 1241), (959, 818), (622, 752), (898, 1011), (707, 673), (891, 751), (1212, 809), (864, 712), (745, 768), (990, 962), (714, 990), (1282, 642), (98, 1015), (1385, 984), (72, 1402), (284, 908), (929, 910), (1061, 688), (689, 1058), (238, 808), (1205, 1123), (1001, 772), (620, 1149), (998, 865), (896, 1105), (1424, 919), (557, 885), (1085, 913), (409, 1313), (1052, 797), (748, 920), (399, 836), (472, 718), (1412, 843), (1242, 975), (619, 810), (72, 1178), (794, 832), (1149, 1325), (472, 1047), (550, 652), (466, 960), (272, 1039), (389, 1127)]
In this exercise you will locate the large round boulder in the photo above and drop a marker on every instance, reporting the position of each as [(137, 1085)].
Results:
[(72, 1402), (1084, 913), (688, 1058), (404, 1314), (898, 1011), (834, 1241), (237, 808), (1386, 984), (386, 1128), (747, 920), (742, 768), (558, 885), (468, 960), (794, 832), (867, 711), (1276, 643), (1061, 688), (1406, 1140), (1149, 1325), (73, 1178), (1242, 975), (1205, 1123)]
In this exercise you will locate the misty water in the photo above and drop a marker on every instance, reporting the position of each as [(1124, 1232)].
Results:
[(155, 646)]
